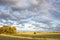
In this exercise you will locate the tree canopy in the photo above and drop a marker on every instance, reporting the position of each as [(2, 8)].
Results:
[(7, 29)]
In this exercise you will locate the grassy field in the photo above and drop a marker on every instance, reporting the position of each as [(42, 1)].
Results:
[(31, 36)]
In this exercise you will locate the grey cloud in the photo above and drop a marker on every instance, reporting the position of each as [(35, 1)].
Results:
[(4, 15), (27, 11), (26, 4), (5, 2)]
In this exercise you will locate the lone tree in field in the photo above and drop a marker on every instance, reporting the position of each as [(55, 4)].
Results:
[(34, 32), (8, 29)]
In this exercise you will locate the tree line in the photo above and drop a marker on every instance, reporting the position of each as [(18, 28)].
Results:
[(5, 29)]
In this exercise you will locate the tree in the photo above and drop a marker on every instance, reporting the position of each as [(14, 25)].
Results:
[(8, 29), (34, 32), (12, 30)]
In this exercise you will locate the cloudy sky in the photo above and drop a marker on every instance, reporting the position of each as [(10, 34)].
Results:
[(31, 15)]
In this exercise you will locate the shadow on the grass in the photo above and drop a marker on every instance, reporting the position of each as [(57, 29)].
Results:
[(42, 36), (12, 38), (34, 37)]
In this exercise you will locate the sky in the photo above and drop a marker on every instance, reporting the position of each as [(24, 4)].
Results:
[(31, 15)]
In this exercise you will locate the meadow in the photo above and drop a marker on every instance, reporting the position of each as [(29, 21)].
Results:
[(31, 36)]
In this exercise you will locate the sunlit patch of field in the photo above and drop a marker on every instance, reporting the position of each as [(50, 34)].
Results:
[(31, 36)]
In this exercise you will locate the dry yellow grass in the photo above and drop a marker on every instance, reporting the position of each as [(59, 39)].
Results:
[(32, 36), (38, 33)]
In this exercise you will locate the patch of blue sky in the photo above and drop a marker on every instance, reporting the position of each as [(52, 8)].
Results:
[(2, 8), (54, 23)]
